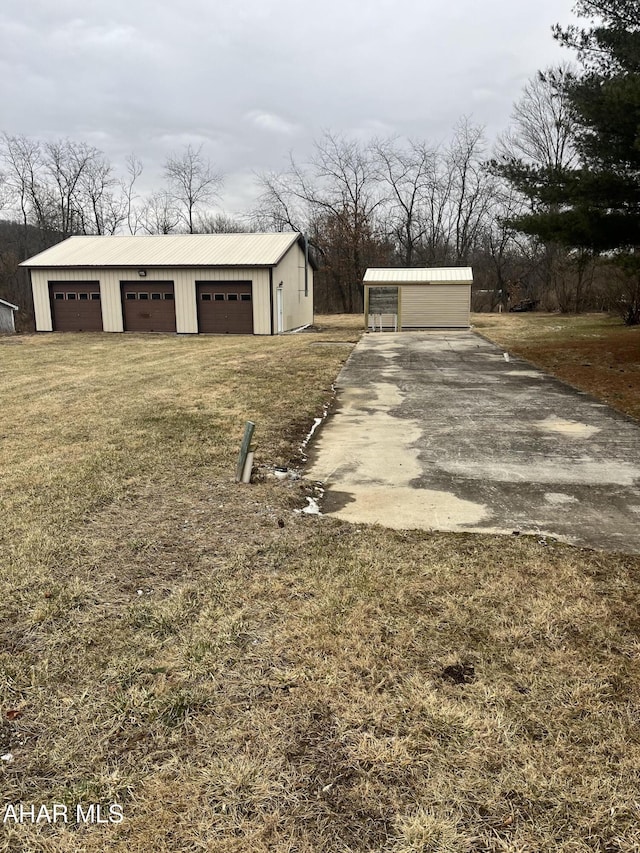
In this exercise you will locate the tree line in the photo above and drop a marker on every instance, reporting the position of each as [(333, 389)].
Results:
[(586, 204), (547, 214), (65, 188)]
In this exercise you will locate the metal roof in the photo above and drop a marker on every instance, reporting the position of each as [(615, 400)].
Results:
[(415, 275), (9, 304), (175, 250)]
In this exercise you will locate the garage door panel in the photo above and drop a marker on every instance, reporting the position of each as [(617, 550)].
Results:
[(76, 306), (148, 306), (225, 307), (438, 306)]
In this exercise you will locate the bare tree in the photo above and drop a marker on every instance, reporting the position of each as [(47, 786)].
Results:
[(23, 162), (5, 191), (61, 187), (505, 259), (435, 210), (132, 215), (472, 190), (334, 199), (542, 130), (407, 174), (66, 164), (542, 135), (437, 199), (159, 215), (221, 223), (280, 207), (192, 183), (102, 207)]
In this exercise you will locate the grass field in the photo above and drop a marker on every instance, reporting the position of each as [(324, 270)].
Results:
[(239, 676)]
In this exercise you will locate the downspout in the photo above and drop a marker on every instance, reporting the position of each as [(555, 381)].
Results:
[(306, 265), (271, 297)]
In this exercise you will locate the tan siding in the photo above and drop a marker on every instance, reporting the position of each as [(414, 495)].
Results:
[(435, 306), (298, 308), (41, 303), (111, 300), (184, 289), (110, 306), (185, 293), (261, 303)]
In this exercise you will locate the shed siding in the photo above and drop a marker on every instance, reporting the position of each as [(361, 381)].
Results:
[(6, 319), (185, 293), (435, 306), (298, 308)]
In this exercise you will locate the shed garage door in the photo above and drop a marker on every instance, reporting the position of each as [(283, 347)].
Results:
[(435, 306), (148, 306), (225, 307), (75, 306)]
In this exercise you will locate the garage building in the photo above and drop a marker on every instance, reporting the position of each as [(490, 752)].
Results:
[(405, 299), (259, 284)]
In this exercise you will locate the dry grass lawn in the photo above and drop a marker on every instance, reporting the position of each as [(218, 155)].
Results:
[(240, 676)]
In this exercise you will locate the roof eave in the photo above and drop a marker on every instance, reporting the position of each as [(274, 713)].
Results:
[(421, 281), (145, 266)]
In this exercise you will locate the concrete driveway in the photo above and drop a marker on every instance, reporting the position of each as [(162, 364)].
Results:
[(438, 430)]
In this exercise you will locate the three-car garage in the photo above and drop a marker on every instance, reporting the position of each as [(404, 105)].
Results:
[(223, 307), (187, 284)]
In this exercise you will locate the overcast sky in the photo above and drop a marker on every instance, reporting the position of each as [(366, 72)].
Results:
[(255, 79)]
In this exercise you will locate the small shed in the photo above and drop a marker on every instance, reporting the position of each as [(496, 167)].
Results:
[(7, 317), (260, 284), (414, 298)]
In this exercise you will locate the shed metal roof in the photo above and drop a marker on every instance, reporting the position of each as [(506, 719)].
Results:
[(415, 275), (9, 304), (175, 250)]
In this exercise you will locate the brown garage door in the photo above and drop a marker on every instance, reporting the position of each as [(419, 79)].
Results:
[(225, 307), (148, 306), (75, 306)]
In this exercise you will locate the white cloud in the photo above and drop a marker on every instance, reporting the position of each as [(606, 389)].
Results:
[(80, 34), (372, 128), (272, 123), (482, 94), (179, 140)]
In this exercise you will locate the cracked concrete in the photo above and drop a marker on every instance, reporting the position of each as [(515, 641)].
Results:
[(436, 430)]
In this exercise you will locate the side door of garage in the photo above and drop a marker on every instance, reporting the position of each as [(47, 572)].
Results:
[(148, 306), (225, 307), (75, 306)]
